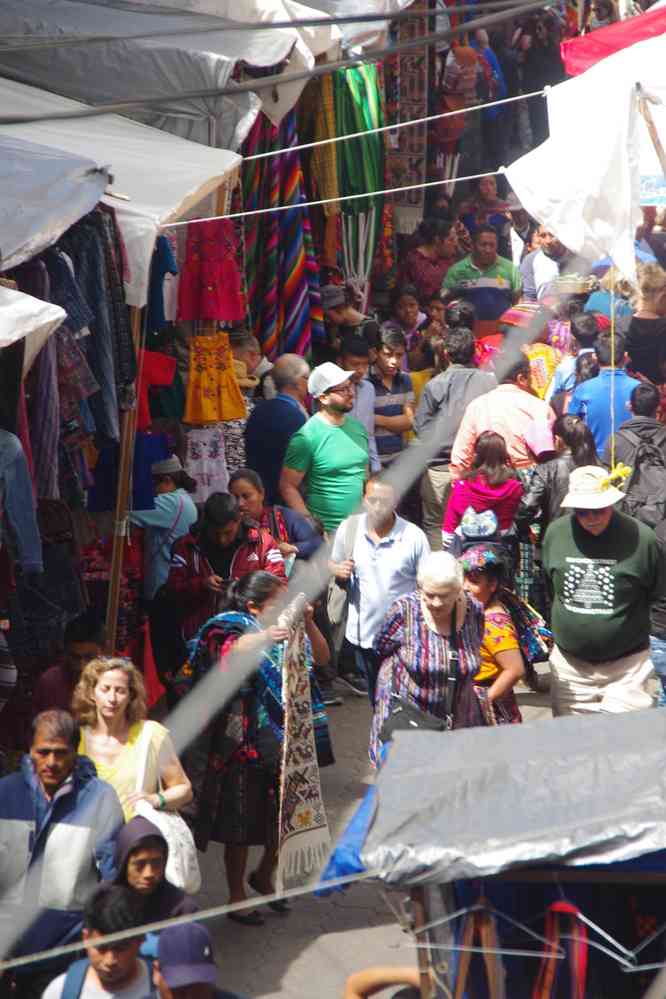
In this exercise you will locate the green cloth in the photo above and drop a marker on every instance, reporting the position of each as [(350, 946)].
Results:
[(334, 460), (602, 586)]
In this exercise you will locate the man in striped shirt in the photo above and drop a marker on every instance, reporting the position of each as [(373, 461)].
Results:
[(394, 396)]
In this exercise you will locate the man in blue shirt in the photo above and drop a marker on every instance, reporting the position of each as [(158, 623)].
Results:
[(273, 423), (591, 400)]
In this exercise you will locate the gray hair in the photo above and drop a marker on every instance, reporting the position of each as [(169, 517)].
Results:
[(57, 724), (242, 340), (441, 569), (288, 369)]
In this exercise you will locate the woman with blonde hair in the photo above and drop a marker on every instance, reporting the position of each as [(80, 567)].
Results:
[(646, 338), (109, 703)]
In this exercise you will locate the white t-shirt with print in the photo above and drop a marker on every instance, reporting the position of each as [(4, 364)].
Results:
[(138, 989)]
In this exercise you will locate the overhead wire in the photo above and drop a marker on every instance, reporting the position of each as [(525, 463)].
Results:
[(219, 24), (269, 82)]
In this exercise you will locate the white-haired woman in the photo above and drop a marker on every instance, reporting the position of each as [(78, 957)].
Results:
[(427, 638)]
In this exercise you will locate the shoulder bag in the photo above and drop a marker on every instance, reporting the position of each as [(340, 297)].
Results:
[(182, 869), (404, 715), (338, 590)]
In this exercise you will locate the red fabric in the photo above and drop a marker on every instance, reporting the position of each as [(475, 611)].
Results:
[(156, 371), (502, 500), (190, 568), (54, 689), (578, 54), (210, 285), (154, 689)]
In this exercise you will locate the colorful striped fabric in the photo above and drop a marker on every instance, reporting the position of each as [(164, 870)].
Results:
[(282, 271)]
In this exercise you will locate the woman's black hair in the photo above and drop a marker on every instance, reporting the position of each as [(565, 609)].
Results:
[(578, 438), (431, 229), (587, 366), (491, 459), (250, 476), (253, 588)]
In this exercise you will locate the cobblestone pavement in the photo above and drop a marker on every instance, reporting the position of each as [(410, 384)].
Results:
[(308, 954)]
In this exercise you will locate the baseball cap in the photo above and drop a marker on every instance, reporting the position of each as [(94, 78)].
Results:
[(325, 377), (186, 957)]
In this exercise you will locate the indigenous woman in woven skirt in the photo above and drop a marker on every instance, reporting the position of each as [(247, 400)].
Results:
[(235, 763), (514, 635), (427, 637)]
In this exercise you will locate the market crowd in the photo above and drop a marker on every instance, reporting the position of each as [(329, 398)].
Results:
[(528, 385)]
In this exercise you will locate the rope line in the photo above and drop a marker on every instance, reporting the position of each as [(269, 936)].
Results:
[(328, 201), (191, 917), (393, 127)]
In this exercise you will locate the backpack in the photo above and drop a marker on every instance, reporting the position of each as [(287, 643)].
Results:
[(76, 976), (645, 496)]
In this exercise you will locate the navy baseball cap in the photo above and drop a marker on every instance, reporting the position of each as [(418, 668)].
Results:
[(185, 954)]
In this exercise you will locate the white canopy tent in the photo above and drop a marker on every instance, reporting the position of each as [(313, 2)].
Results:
[(25, 317), (158, 177), (44, 191), (587, 181), (164, 67)]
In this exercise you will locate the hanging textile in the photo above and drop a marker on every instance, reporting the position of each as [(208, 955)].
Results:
[(210, 286), (304, 840), (212, 390), (360, 169), (407, 100), (324, 161), (205, 460), (282, 272)]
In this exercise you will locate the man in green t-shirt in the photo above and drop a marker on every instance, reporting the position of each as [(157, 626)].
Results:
[(329, 454), (490, 282), (604, 570)]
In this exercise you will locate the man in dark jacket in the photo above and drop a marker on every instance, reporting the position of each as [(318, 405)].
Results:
[(438, 416), (58, 825), (140, 859), (643, 403)]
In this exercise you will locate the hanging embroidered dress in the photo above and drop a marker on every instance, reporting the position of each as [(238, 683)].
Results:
[(213, 394), (210, 284)]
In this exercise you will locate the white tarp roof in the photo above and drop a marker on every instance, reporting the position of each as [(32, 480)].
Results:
[(586, 182), (161, 176), (24, 316), (165, 66), (43, 191)]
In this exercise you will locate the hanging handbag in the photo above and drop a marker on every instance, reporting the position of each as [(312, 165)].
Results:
[(182, 869), (338, 590), (404, 715)]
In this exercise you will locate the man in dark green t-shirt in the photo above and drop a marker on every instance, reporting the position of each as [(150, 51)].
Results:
[(329, 454), (604, 570)]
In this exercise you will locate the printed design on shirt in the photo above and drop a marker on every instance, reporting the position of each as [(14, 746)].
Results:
[(589, 585)]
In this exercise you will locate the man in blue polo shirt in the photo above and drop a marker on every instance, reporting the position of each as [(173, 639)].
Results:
[(394, 396), (591, 400), (490, 282)]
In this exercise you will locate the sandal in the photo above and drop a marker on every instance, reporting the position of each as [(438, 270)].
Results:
[(253, 918), (281, 906)]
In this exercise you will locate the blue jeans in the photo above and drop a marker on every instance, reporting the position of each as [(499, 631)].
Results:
[(367, 664), (658, 656)]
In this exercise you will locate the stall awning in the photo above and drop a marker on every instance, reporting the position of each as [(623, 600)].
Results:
[(580, 53), (588, 180), (43, 191), (25, 317), (162, 67), (573, 791), (158, 177)]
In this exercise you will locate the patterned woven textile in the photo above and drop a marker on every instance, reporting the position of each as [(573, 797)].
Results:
[(304, 839), (205, 460), (282, 272), (407, 99)]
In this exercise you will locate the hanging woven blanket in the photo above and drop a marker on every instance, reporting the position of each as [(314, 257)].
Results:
[(304, 840), (406, 76)]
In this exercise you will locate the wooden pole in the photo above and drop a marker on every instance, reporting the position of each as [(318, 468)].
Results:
[(127, 436), (644, 107), (422, 953)]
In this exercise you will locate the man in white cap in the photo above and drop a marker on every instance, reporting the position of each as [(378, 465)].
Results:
[(604, 569), (329, 454)]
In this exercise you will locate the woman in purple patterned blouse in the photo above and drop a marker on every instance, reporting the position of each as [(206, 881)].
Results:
[(414, 644)]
